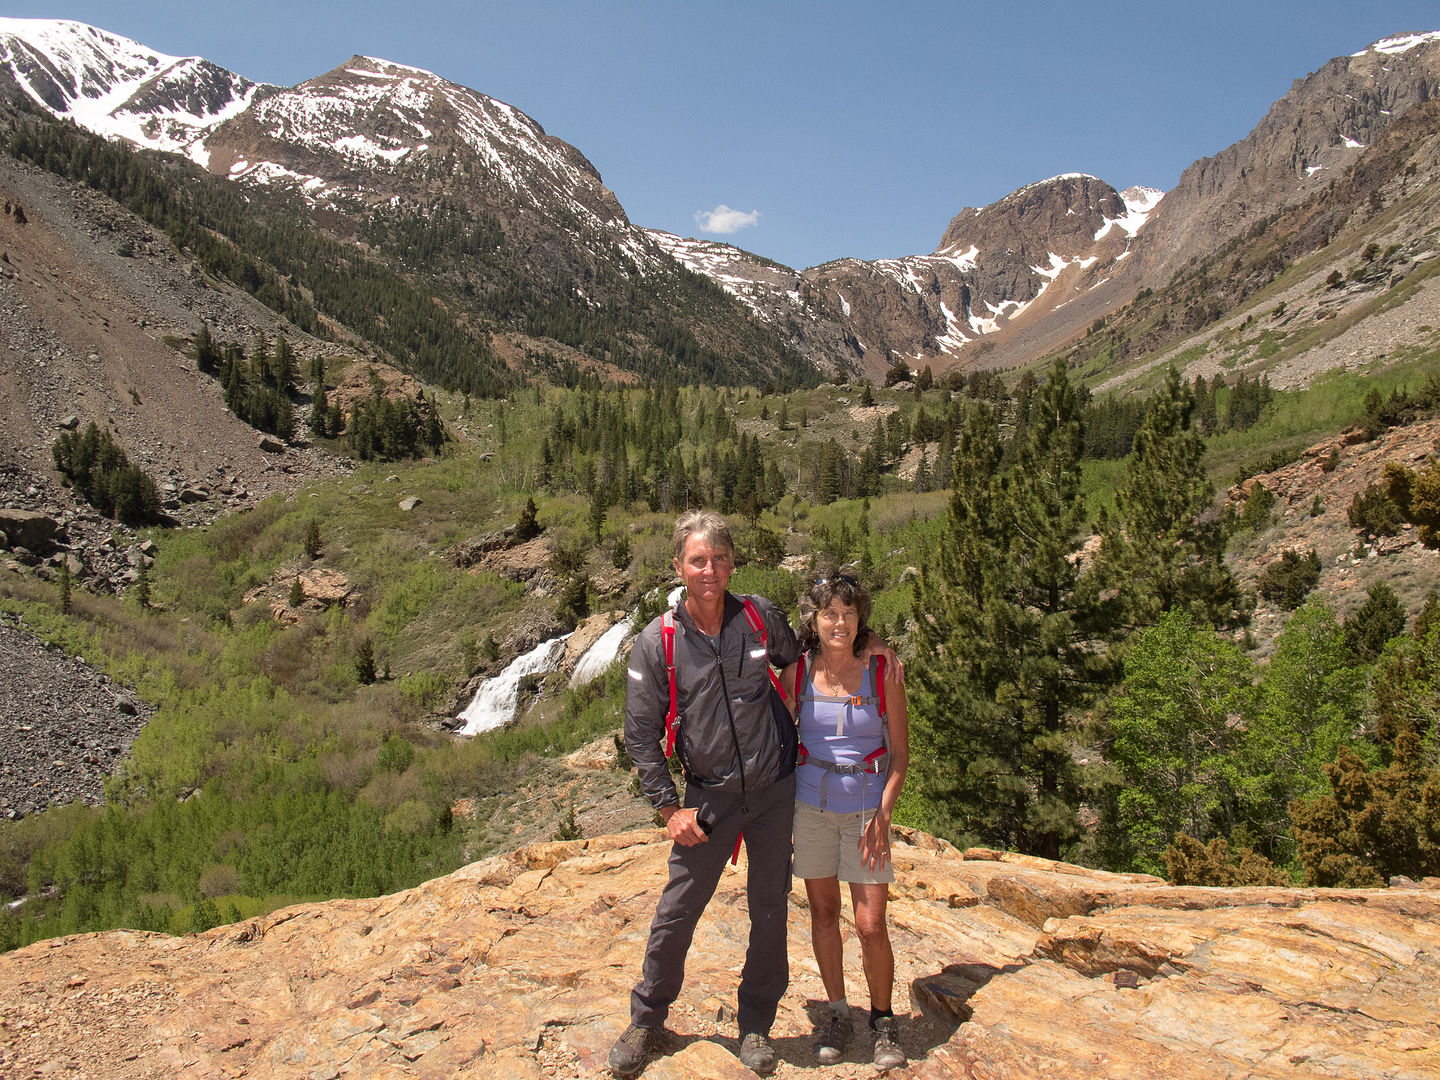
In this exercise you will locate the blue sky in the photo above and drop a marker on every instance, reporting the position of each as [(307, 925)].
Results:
[(827, 129)]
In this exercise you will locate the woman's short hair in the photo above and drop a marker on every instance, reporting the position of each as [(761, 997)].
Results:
[(706, 523), (834, 583)]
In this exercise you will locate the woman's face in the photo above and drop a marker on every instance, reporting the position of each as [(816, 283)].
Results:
[(836, 624)]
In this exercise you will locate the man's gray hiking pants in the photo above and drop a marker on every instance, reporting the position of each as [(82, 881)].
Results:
[(695, 873)]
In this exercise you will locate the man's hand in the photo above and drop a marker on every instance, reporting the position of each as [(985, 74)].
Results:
[(894, 669), (683, 825)]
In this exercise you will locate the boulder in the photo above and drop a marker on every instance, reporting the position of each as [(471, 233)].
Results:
[(28, 529)]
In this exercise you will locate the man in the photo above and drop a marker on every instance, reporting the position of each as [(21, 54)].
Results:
[(736, 781)]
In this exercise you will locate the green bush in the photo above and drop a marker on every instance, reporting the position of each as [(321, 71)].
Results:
[(394, 755), (1374, 513), (1289, 579)]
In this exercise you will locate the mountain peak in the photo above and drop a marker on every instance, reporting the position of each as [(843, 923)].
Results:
[(359, 64), (1399, 43), (119, 88)]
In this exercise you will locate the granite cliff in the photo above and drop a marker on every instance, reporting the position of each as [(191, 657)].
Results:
[(520, 966)]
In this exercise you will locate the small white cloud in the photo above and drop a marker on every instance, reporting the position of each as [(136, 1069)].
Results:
[(724, 220)]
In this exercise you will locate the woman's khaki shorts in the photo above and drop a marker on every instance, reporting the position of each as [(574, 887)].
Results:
[(827, 845)]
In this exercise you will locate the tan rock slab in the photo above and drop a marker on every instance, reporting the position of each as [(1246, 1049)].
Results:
[(521, 966)]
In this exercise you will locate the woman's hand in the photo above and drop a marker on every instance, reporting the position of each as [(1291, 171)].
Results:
[(875, 842)]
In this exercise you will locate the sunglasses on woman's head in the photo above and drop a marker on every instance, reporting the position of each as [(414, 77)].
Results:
[(846, 578)]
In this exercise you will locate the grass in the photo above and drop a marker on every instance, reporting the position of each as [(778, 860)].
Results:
[(1300, 418)]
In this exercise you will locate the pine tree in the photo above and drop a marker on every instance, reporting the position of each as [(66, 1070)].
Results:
[(1007, 647), (284, 364), (319, 410), (1055, 621), (1163, 549), (527, 528), (957, 724), (63, 579), (1379, 619), (312, 542)]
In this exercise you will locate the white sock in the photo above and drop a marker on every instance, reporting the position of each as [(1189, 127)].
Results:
[(840, 1007)]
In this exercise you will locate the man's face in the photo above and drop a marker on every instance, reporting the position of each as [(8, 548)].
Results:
[(704, 568)]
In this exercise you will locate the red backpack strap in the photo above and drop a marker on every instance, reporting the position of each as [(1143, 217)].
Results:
[(757, 624), (667, 640), (799, 680), (877, 668), (752, 616)]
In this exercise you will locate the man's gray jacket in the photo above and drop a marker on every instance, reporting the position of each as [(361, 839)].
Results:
[(727, 737)]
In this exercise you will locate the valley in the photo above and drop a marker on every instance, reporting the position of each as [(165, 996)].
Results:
[(1041, 445)]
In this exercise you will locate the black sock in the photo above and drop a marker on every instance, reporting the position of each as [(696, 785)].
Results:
[(876, 1014)]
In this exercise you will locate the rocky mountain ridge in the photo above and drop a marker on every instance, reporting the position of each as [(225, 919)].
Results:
[(520, 966), (1007, 283), (507, 226)]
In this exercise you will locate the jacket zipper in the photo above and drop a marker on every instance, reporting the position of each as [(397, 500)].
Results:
[(714, 644)]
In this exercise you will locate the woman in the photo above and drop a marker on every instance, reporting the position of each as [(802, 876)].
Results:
[(855, 749)]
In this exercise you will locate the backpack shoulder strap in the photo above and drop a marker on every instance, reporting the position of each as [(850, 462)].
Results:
[(753, 617), (667, 641), (757, 625), (877, 684)]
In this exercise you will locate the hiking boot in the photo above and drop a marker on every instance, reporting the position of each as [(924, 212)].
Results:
[(834, 1037), (756, 1053), (627, 1056), (888, 1054)]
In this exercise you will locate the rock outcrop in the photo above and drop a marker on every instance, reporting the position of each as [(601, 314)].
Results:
[(1060, 238), (520, 966)]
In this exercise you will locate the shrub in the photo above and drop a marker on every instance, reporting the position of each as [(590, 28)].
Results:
[(204, 916), (1258, 504), (1289, 579), (1374, 824), (1374, 513), (394, 755), (569, 829), (1189, 862), (219, 879)]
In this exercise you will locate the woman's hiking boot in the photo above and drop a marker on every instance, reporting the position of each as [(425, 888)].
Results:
[(888, 1054), (833, 1038)]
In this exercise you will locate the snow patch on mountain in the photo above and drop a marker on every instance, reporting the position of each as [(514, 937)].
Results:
[(1400, 43), (1139, 203), (759, 284)]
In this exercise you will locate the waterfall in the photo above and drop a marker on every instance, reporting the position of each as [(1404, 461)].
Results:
[(601, 655), (495, 702)]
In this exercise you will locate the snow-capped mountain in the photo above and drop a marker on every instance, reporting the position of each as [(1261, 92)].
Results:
[(372, 128), (996, 268), (458, 186), (118, 88), (388, 152)]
